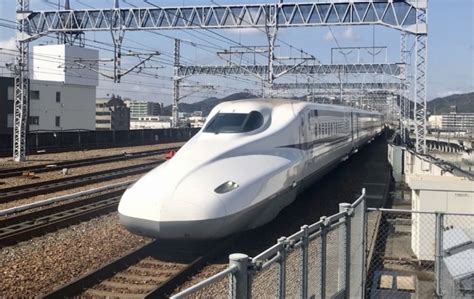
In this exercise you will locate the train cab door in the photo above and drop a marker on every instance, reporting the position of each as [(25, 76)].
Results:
[(356, 125), (306, 138), (352, 128), (302, 127)]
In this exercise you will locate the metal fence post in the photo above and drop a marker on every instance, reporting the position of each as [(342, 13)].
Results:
[(304, 261), (241, 276), (282, 269), (438, 250), (345, 249), (364, 217), (323, 256)]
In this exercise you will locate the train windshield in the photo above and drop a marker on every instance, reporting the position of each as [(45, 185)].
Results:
[(234, 122)]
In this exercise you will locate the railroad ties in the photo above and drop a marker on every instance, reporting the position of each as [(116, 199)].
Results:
[(25, 226), (152, 271), (22, 191), (6, 173)]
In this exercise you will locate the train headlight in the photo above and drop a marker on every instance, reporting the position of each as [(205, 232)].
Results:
[(226, 187)]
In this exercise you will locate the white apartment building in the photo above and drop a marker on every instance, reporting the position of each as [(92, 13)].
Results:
[(62, 95), (56, 106), (143, 108), (195, 121), (150, 122), (457, 122), (435, 121)]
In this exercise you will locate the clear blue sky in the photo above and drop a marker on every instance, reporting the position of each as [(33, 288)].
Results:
[(451, 49)]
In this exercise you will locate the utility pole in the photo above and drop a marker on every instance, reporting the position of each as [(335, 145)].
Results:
[(22, 83), (117, 39), (177, 81), (271, 29), (421, 60), (404, 94)]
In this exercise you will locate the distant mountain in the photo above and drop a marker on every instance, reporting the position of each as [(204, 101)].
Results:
[(206, 105), (463, 102)]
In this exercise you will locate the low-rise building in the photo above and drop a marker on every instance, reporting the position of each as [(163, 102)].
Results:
[(435, 122), (150, 122), (195, 121), (53, 106), (112, 114), (454, 122), (143, 108), (61, 98)]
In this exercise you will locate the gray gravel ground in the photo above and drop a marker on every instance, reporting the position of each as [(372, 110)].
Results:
[(39, 265), (64, 192), (69, 156), (53, 175)]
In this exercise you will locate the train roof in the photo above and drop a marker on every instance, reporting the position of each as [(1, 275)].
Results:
[(276, 102)]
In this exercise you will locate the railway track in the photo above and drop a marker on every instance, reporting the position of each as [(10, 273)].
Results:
[(25, 226), (23, 191), (151, 271), (12, 172)]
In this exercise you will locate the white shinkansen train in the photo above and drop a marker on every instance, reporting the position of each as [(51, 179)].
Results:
[(248, 162)]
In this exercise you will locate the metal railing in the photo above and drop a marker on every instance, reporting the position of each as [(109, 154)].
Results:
[(359, 252), (325, 259), (429, 254)]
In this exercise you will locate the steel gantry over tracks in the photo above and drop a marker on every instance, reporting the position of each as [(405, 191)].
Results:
[(409, 16), (388, 69)]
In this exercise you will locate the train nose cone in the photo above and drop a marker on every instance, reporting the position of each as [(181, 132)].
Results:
[(181, 214), (177, 220)]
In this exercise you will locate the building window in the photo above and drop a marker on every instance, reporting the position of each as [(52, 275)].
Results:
[(33, 120), (58, 121), (34, 95), (58, 97), (10, 93)]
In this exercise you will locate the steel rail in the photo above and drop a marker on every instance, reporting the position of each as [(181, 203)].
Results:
[(23, 191), (12, 172), (25, 226), (161, 289), (52, 150), (56, 199)]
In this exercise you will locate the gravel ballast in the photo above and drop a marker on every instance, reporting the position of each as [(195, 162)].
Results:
[(64, 192), (39, 265), (77, 155)]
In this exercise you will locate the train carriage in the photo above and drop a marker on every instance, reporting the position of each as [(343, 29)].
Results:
[(250, 160)]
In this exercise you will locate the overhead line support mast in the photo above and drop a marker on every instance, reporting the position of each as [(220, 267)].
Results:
[(407, 16)]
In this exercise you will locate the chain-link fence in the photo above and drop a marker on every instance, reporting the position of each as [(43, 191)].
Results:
[(421, 254), (456, 264), (358, 253), (322, 260), (402, 256)]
